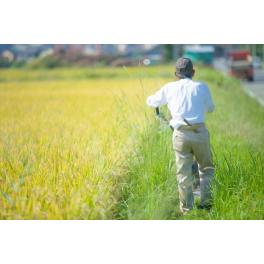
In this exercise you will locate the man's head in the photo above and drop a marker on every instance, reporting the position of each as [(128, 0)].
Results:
[(184, 68)]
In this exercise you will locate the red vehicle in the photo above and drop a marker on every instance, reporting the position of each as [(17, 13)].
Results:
[(240, 64)]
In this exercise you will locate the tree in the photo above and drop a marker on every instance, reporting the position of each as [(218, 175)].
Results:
[(168, 52)]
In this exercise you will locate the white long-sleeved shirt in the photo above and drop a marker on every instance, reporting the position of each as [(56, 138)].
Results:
[(186, 99)]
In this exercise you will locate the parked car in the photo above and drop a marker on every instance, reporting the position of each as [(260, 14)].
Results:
[(240, 64)]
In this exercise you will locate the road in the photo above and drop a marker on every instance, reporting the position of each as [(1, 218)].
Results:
[(254, 89)]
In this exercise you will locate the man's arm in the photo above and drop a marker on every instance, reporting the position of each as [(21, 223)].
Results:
[(157, 99)]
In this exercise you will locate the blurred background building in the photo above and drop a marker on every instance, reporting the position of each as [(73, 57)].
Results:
[(82, 55)]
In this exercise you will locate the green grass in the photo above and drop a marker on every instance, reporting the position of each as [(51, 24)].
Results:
[(150, 190), (237, 137)]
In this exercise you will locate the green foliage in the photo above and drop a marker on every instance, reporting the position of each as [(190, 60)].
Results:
[(18, 63), (168, 52), (4, 63), (150, 189), (236, 128), (48, 62)]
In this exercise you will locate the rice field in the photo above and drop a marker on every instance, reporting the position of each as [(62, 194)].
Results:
[(82, 144)]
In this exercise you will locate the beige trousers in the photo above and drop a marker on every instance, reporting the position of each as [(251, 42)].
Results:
[(188, 143)]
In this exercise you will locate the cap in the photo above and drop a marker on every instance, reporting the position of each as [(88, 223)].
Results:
[(184, 68)]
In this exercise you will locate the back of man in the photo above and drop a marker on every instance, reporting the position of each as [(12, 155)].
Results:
[(186, 97), (188, 101)]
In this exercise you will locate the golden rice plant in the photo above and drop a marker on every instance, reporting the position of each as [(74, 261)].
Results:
[(64, 144)]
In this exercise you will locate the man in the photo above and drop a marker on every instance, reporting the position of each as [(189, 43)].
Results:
[(188, 101)]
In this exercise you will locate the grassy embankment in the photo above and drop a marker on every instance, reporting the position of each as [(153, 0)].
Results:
[(237, 137)]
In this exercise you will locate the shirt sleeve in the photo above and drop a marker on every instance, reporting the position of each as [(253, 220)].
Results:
[(209, 104), (157, 99)]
